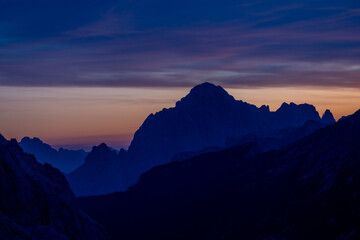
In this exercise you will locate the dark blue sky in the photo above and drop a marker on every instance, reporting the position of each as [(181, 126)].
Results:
[(180, 43)]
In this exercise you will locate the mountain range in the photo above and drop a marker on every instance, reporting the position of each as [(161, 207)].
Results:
[(308, 189), (211, 167), (36, 201), (207, 118), (63, 159)]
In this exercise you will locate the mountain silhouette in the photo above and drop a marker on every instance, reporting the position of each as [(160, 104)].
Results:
[(36, 201), (206, 118), (63, 159), (105, 176), (328, 117), (294, 115), (309, 189)]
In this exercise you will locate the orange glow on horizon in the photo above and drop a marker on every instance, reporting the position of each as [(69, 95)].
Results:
[(89, 116)]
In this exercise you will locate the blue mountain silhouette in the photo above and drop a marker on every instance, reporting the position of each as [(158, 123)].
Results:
[(208, 117), (63, 159)]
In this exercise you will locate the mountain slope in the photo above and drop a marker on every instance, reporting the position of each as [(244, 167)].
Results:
[(307, 190), (36, 201), (204, 119), (103, 171), (64, 160)]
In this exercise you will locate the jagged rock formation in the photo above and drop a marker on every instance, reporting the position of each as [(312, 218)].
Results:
[(206, 118), (64, 160), (307, 190), (104, 168), (36, 201), (327, 117)]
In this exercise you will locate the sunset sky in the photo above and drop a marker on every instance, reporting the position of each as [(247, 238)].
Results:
[(77, 73)]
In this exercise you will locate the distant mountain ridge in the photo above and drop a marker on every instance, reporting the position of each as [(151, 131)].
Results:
[(63, 159), (206, 118), (36, 201)]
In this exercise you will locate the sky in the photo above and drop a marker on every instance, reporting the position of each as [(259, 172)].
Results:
[(79, 72)]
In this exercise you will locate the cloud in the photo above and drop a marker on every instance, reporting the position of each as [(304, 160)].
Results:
[(249, 45)]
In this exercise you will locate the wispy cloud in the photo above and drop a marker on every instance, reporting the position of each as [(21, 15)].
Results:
[(281, 45)]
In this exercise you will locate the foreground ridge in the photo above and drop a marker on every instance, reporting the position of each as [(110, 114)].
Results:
[(36, 201)]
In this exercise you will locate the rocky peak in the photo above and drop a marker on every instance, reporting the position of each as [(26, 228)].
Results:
[(101, 152), (265, 108), (101, 148), (296, 107), (295, 115), (328, 117), (34, 140), (206, 94)]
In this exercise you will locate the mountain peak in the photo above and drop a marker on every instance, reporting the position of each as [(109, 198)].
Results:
[(292, 106), (206, 94), (102, 151), (34, 140), (208, 88), (101, 148), (328, 117), (205, 85)]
